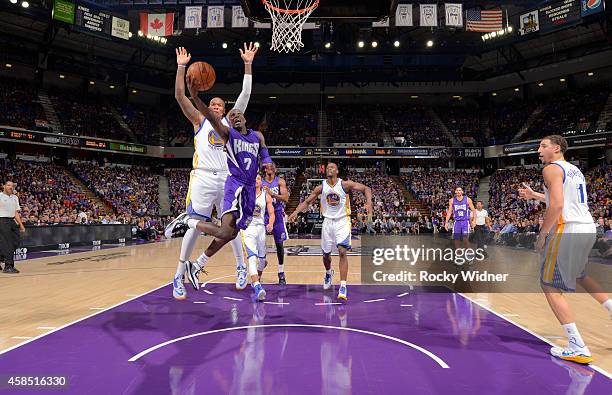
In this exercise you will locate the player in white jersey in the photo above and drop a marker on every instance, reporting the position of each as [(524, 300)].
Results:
[(207, 179), (566, 237), (254, 237), (336, 210)]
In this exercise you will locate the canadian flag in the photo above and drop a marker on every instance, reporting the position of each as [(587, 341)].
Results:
[(157, 24)]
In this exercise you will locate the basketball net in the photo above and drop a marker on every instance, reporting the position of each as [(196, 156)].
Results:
[(288, 18)]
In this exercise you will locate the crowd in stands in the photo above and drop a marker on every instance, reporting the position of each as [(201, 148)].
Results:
[(131, 191), (571, 112), (178, 184), (143, 121), (47, 194), (85, 115), (506, 120), (414, 124), (463, 122), (353, 124), (288, 125), (19, 105), (435, 187)]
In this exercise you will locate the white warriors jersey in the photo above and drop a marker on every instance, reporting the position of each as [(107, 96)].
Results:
[(259, 211), (335, 202), (209, 148), (575, 206)]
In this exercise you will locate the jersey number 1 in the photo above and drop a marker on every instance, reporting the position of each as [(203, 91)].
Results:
[(581, 193)]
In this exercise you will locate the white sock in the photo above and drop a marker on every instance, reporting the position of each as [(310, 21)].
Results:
[(574, 338), (255, 283), (238, 252), (328, 271), (253, 266), (188, 244), (281, 268), (180, 269), (608, 305), (342, 283), (202, 259), (192, 223)]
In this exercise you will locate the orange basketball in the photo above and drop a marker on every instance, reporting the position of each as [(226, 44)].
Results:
[(202, 75)]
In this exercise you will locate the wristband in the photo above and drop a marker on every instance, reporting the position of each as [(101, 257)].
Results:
[(248, 63), (182, 65)]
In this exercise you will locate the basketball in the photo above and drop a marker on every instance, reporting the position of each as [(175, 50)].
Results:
[(202, 75)]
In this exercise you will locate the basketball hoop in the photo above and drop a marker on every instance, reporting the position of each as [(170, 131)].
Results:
[(288, 18)]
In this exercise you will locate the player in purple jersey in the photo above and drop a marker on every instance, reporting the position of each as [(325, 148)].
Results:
[(462, 209), (277, 189), (245, 149)]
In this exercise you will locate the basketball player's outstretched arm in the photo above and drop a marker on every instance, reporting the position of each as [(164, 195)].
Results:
[(306, 203), (553, 178), (194, 116), (349, 186), (247, 56), (214, 119), (271, 216)]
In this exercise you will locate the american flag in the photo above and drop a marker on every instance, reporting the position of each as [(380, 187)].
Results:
[(484, 21)]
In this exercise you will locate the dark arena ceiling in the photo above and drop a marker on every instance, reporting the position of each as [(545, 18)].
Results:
[(32, 37)]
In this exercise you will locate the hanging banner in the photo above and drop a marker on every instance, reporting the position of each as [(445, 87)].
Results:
[(120, 28), (454, 14), (193, 17), (238, 17), (429, 15), (215, 16), (403, 15), (529, 23)]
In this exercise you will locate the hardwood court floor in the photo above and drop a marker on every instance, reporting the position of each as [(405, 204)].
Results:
[(55, 291)]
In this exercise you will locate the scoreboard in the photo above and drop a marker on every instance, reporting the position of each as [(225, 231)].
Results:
[(93, 20)]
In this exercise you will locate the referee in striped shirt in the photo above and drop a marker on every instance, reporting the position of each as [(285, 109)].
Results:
[(9, 231)]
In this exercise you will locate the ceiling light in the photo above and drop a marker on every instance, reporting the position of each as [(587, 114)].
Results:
[(396, 43), (590, 74), (328, 45), (134, 91), (224, 45), (25, 4), (374, 44), (62, 76), (112, 86), (516, 89), (430, 43), (360, 44), (92, 83), (562, 79), (256, 44), (493, 94)]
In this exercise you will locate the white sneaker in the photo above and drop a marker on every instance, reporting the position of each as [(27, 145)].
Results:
[(241, 279), (327, 280), (178, 289), (580, 356), (177, 224)]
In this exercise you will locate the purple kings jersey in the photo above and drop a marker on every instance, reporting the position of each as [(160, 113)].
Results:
[(460, 209), (274, 188), (242, 155)]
